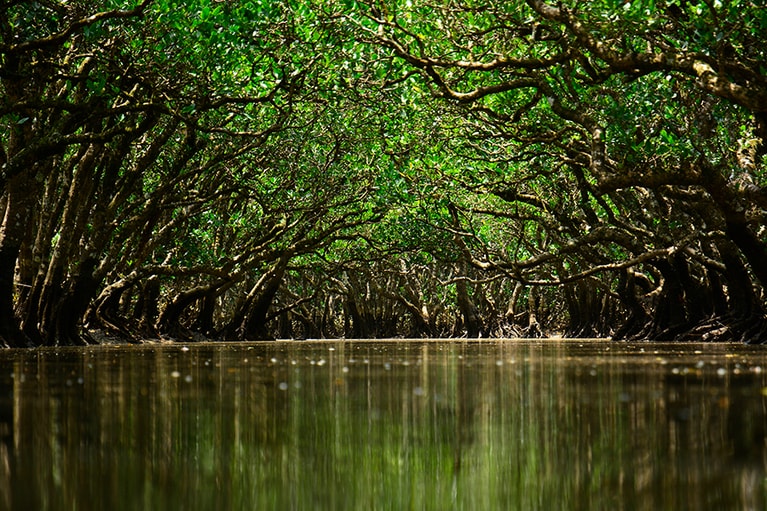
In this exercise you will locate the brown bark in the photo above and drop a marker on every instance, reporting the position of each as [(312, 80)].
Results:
[(472, 323), (68, 312), (254, 326), (747, 91), (20, 202)]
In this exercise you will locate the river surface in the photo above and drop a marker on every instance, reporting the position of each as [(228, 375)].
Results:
[(440, 425)]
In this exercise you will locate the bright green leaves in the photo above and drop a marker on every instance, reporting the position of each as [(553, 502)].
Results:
[(28, 21), (242, 47), (431, 131)]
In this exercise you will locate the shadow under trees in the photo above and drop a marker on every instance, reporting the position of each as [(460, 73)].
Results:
[(318, 169)]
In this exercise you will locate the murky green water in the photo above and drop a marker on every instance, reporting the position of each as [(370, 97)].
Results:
[(385, 425)]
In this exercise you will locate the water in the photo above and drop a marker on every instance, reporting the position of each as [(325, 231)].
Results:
[(384, 425)]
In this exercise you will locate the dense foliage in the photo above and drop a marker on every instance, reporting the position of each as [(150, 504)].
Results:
[(247, 170)]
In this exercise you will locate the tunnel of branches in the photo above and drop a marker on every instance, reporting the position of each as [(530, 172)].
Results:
[(261, 170)]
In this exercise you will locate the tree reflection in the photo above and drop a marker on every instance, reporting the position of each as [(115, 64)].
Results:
[(379, 425)]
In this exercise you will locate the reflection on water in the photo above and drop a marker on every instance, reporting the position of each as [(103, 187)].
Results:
[(384, 425)]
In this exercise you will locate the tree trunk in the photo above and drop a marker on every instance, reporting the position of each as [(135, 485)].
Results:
[(533, 328), (254, 325), (472, 323), (741, 298), (638, 318), (148, 307), (354, 325), (68, 313), (669, 317), (20, 202), (203, 323), (170, 319), (10, 333), (736, 224), (588, 310)]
